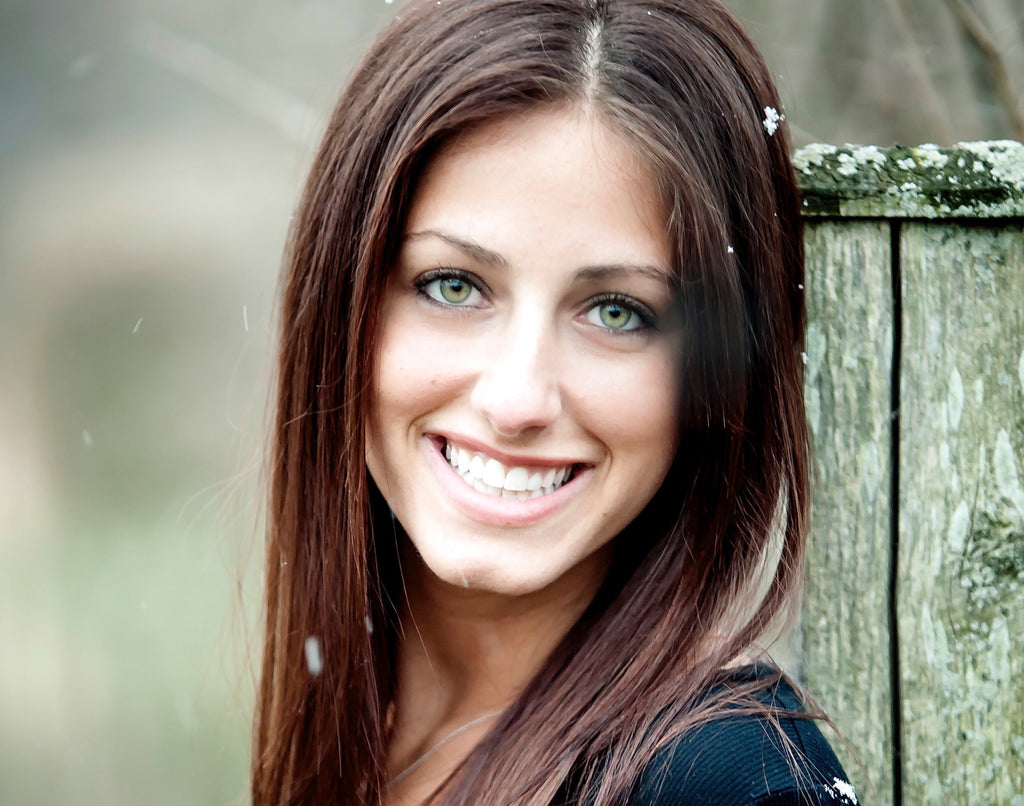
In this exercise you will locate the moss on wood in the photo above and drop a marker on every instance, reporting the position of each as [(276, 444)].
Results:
[(970, 180)]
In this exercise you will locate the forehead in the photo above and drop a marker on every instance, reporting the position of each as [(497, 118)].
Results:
[(554, 172), (559, 134)]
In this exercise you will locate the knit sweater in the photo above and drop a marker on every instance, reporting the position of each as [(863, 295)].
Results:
[(741, 760)]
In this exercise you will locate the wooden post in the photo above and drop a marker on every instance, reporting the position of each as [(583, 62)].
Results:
[(913, 626), (848, 391)]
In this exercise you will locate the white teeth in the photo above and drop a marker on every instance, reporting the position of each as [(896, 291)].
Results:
[(491, 477), (494, 473), (516, 478)]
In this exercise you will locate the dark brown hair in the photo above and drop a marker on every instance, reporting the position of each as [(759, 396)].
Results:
[(686, 88)]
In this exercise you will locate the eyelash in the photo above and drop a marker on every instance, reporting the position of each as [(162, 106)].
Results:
[(648, 319)]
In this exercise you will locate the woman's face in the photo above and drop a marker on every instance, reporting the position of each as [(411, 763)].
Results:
[(525, 390)]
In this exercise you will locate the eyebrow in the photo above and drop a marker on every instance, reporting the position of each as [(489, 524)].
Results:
[(620, 269), (482, 254), (471, 249)]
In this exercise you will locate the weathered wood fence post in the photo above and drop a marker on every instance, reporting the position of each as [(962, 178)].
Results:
[(913, 624)]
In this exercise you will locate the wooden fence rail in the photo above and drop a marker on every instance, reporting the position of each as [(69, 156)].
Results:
[(913, 625)]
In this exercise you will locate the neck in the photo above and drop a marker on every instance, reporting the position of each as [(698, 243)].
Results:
[(473, 648), (465, 653)]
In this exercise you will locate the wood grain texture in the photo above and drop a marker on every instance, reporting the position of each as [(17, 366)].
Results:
[(961, 522), (845, 622)]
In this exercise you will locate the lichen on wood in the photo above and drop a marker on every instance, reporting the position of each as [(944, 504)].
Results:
[(969, 180), (954, 219)]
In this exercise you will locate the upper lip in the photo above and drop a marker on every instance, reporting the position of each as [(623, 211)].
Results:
[(507, 459)]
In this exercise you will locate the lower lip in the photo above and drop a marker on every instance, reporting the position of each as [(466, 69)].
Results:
[(494, 509)]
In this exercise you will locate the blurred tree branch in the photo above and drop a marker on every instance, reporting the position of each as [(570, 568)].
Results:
[(934, 107), (982, 38)]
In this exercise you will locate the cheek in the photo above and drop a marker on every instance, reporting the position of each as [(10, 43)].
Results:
[(418, 369), (408, 366), (634, 408)]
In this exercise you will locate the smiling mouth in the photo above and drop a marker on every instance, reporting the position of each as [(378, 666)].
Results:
[(491, 477)]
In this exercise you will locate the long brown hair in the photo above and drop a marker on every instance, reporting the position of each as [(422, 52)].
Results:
[(682, 83)]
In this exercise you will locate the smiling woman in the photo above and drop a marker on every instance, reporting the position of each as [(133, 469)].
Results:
[(539, 461), (508, 462)]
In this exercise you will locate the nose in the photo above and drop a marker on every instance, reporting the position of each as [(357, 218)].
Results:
[(517, 390)]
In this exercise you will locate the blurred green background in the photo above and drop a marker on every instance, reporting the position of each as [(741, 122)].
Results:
[(150, 155)]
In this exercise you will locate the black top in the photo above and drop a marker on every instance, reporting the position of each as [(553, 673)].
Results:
[(741, 760)]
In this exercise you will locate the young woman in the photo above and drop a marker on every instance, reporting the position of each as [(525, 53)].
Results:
[(539, 472)]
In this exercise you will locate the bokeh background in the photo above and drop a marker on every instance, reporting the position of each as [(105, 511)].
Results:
[(150, 156)]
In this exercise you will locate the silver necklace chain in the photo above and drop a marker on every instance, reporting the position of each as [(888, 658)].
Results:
[(458, 731)]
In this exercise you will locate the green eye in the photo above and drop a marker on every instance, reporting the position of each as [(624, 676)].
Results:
[(614, 315), (451, 289), (454, 290)]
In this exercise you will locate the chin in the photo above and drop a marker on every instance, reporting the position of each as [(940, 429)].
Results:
[(485, 577), (515, 574)]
